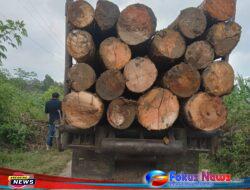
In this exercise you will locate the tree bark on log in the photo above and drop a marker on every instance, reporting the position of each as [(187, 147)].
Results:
[(218, 78), (121, 113), (205, 112), (80, 13), (191, 23), (199, 54), (81, 77), (114, 53), (167, 44), (82, 109), (183, 80), (106, 16), (224, 37), (140, 74), (80, 45), (136, 24), (157, 109), (219, 10), (110, 85)]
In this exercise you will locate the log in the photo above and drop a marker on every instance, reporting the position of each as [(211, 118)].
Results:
[(81, 77), (80, 13), (121, 113), (106, 16), (219, 10), (140, 74), (167, 44), (218, 78), (157, 109), (224, 37), (199, 54), (191, 23), (183, 80), (82, 109), (114, 53), (110, 85), (80, 45), (136, 24), (205, 112)]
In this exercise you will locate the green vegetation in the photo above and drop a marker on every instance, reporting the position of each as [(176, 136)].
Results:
[(22, 107), (23, 124), (234, 154), (42, 162)]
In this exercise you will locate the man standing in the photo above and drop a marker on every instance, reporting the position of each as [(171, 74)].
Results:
[(53, 110)]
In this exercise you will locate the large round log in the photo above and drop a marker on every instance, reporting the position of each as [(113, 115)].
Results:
[(183, 80), (219, 10), (106, 16), (191, 23), (205, 112), (158, 109), (167, 44), (80, 45), (121, 113), (81, 77), (199, 54), (136, 24), (114, 53), (140, 74), (224, 37), (218, 78), (110, 85), (80, 13), (82, 109)]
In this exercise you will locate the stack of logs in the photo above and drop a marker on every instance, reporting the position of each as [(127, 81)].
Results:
[(126, 70)]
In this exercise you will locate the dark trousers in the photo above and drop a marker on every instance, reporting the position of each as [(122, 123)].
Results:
[(51, 133)]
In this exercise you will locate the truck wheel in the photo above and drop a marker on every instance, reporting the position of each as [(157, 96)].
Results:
[(187, 162), (92, 165)]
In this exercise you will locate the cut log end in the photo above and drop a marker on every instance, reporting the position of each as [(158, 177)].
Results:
[(82, 109), (81, 77), (121, 113), (167, 44), (80, 13), (114, 53), (199, 54), (136, 24), (224, 37), (80, 45), (140, 74), (110, 85), (220, 10), (218, 78), (106, 15), (205, 112), (183, 80), (191, 22), (158, 109)]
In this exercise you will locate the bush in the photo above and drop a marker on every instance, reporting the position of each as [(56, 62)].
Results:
[(234, 154), (14, 134)]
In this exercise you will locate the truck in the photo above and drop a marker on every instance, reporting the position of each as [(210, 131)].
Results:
[(103, 152)]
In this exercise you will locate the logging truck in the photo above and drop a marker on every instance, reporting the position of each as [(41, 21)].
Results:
[(136, 96)]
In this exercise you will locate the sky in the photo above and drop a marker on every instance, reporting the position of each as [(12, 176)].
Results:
[(43, 50)]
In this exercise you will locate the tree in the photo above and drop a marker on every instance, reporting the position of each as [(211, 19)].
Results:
[(47, 82), (11, 33)]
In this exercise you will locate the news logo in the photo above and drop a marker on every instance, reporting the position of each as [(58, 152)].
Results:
[(20, 180), (156, 178)]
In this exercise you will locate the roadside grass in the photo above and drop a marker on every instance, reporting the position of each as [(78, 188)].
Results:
[(41, 161)]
